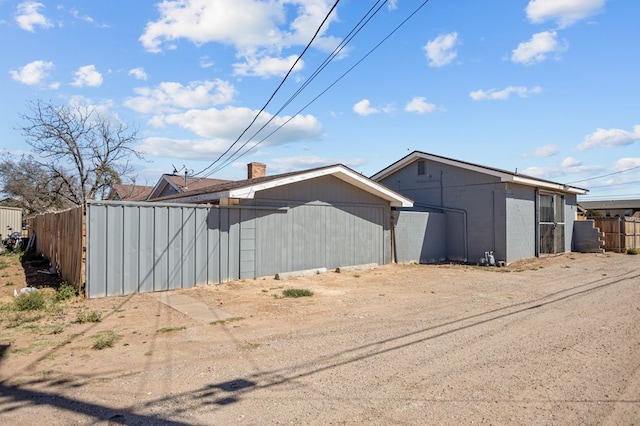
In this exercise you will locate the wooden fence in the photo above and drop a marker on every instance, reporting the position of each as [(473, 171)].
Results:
[(620, 233), (60, 237)]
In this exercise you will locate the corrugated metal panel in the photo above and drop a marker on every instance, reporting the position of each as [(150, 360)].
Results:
[(10, 218), (141, 248)]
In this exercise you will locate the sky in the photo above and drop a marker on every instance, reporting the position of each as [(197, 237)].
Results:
[(547, 88)]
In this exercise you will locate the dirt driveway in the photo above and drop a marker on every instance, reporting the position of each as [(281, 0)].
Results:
[(546, 342)]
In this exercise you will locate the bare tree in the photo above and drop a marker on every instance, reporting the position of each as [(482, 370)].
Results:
[(79, 147), (32, 187)]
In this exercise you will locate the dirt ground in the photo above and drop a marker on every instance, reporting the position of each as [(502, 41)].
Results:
[(551, 341)]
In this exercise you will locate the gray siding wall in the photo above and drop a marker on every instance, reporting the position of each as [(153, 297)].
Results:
[(420, 236), (479, 195), (520, 223), (143, 247)]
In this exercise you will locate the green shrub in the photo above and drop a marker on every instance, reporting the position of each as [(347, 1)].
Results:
[(84, 317), (296, 292), (32, 301), (104, 339), (632, 251), (65, 292)]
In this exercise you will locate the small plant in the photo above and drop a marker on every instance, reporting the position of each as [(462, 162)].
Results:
[(32, 301), (9, 283), (170, 329), (296, 292), (220, 322), (3, 264), (57, 329), (84, 317), (632, 251), (104, 339), (65, 292)]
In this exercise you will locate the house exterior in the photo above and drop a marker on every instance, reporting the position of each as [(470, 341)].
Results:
[(326, 217), (614, 208), (124, 192), (174, 185), (487, 209)]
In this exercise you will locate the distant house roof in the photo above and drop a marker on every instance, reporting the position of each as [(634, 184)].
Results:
[(120, 191), (610, 204), (504, 175), (246, 189), (180, 184)]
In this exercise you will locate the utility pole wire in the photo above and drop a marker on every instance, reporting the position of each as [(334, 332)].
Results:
[(276, 90), (227, 162)]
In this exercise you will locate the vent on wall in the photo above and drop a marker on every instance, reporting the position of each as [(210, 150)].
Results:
[(422, 167)]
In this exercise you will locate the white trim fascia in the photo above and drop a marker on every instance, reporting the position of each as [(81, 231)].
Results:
[(359, 181)]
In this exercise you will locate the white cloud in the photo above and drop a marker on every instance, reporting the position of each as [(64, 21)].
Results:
[(138, 73), (28, 16), (565, 12), (194, 149), (87, 76), (568, 166), (626, 164), (610, 138), (538, 48), (229, 122), (419, 105), (364, 108), (570, 162), (261, 34), (267, 66), (206, 62), (170, 96), (504, 94), (543, 151), (441, 50), (32, 73)]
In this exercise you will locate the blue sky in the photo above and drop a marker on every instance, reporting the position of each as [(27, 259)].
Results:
[(547, 87)]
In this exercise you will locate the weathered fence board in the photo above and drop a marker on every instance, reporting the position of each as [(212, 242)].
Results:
[(620, 233), (60, 237)]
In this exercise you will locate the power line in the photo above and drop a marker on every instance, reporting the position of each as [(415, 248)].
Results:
[(276, 90), (228, 161), (610, 174), (354, 31)]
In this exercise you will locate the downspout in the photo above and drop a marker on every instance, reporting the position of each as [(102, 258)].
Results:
[(452, 209)]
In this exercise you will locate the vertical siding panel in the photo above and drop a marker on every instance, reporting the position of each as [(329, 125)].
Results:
[(130, 249), (114, 258), (233, 251), (174, 249), (96, 251), (161, 255), (189, 254), (200, 247), (146, 253), (214, 236)]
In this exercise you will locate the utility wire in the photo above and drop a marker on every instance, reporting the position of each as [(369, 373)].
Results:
[(276, 90), (332, 84), (610, 174), (354, 31)]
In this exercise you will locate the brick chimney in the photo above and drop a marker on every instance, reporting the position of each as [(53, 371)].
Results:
[(256, 170)]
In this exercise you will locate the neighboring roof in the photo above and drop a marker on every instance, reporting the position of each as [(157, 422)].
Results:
[(130, 192), (504, 175), (246, 189), (178, 184), (610, 204)]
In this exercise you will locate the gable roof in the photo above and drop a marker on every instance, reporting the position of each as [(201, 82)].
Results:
[(504, 175), (179, 185), (129, 192), (246, 189)]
